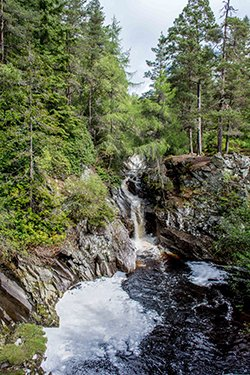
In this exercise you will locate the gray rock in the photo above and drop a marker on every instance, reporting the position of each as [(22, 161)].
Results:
[(204, 188), (15, 303), (84, 256)]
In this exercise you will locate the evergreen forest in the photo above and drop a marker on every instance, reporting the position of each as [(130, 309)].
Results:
[(66, 108)]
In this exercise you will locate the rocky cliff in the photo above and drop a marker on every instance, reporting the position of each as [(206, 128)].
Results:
[(189, 196), (31, 285)]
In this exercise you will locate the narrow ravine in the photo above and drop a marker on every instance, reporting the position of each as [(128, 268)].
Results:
[(167, 317)]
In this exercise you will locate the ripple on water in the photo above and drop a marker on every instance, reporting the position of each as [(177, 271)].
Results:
[(97, 320)]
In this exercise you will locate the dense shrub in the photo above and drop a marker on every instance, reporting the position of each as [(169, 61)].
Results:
[(235, 240), (87, 199)]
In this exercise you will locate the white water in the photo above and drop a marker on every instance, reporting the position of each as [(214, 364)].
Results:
[(206, 274), (97, 319)]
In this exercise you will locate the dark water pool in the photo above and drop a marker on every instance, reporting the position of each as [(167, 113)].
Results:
[(163, 319)]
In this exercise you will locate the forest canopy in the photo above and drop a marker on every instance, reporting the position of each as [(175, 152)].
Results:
[(65, 105)]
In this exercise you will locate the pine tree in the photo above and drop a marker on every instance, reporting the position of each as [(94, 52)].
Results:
[(159, 65), (42, 137), (228, 10), (190, 56), (233, 79), (2, 41), (18, 20), (95, 37)]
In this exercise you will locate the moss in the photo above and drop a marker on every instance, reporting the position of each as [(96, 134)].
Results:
[(46, 317), (32, 341), (12, 372)]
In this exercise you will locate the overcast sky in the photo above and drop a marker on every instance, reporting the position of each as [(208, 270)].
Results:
[(143, 20)]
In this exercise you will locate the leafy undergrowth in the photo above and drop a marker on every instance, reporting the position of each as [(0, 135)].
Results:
[(46, 224), (234, 242)]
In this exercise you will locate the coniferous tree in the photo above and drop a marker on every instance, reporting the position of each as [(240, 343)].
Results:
[(75, 21), (233, 79), (95, 49), (2, 46), (190, 56), (228, 10), (159, 65)]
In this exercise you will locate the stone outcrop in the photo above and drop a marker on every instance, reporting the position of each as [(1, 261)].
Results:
[(190, 195), (43, 276), (15, 303)]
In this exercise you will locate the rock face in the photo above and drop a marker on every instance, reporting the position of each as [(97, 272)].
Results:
[(46, 274), (15, 303), (191, 195)]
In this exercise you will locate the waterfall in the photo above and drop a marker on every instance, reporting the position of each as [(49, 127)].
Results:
[(137, 216), (132, 206), (136, 212)]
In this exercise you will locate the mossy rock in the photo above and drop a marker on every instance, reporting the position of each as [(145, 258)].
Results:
[(32, 341), (45, 316)]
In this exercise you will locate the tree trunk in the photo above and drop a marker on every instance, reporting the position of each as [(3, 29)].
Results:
[(199, 126), (220, 134), (191, 148), (227, 139), (30, 127), (90, 111), (69, 69), (223, 77), (31, 162), (31, 150), (69, 94), (1, 31), (227, 144)]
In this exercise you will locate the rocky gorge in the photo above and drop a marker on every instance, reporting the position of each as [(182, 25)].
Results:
[(184, 199), (31, 285)]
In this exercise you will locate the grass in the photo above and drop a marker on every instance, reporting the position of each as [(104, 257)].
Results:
[(33, 342)]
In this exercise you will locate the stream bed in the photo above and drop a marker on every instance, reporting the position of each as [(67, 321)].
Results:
[(165, 318)]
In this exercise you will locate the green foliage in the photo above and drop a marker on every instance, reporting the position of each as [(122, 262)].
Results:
[(64, 105), (109, 177), (33, 341), (22, 228), (87, 200), (235, 236), (208, 68)]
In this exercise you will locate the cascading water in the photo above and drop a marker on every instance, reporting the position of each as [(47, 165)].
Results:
[(137, 213), (132, 203), (163, 319)]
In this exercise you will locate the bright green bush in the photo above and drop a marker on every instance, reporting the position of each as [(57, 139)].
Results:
[(87, 199), (235, 236)]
